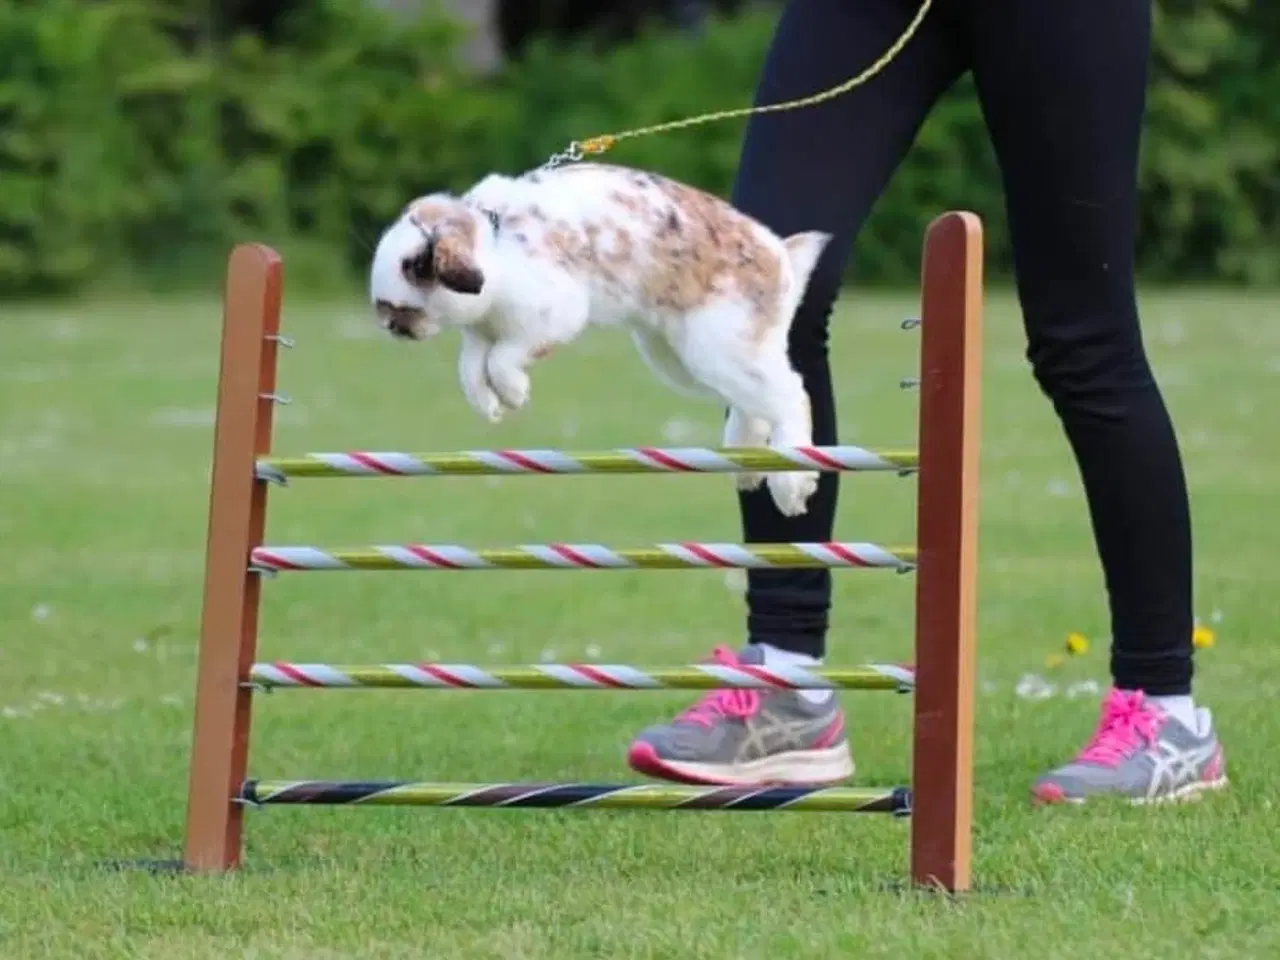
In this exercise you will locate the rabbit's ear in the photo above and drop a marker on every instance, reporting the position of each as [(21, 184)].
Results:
[(455, 262)]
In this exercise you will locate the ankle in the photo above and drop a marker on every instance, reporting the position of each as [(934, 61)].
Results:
[(777, 657), (1182, 707)]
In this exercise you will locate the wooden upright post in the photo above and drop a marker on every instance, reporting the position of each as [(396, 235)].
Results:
[(237, 513), (947, 541)]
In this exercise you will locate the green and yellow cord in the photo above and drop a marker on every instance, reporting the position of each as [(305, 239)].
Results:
[(602, 143)]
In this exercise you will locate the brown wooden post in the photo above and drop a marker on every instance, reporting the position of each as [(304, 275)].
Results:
[(947, 541), (237, 513)]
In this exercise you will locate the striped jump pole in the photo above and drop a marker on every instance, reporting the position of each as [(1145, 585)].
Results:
[(584, 556), (624, 460), (577, 676), (548, 796), (943, 558)]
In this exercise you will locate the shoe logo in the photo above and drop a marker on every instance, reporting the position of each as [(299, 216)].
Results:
[(766, 735), (1173, 766)]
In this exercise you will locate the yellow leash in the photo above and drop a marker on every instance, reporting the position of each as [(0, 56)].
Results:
[(603, 142)]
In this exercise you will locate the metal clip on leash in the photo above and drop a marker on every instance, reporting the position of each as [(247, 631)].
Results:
[(572, 155)]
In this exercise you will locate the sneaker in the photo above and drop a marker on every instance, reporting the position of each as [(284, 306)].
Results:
[(748, 737), (1141, 754)]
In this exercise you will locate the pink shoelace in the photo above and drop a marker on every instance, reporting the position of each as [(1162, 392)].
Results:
[(1128, 722), (723, 703)]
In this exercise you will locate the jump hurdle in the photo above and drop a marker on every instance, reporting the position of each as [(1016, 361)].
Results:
[(938, 800)]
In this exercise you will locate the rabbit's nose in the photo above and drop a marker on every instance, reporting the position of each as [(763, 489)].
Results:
[(402, 327), (400, 320)]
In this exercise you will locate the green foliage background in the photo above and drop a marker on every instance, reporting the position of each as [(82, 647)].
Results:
[(136, 145)]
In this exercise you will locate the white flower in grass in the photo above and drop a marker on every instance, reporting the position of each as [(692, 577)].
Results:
[(1032, 686), (592, 652), (547, 656), (1083, 688), (1058, 488), (41, 612)]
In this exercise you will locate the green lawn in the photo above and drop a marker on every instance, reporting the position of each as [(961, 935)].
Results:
[(105, 416)]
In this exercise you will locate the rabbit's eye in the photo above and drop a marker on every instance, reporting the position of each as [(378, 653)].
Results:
[(417, 269)]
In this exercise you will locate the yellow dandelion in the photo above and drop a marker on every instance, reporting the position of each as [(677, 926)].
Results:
[(1077, 643), (1203, 636)]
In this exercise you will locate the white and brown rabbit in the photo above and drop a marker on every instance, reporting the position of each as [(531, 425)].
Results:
[(520, 265)]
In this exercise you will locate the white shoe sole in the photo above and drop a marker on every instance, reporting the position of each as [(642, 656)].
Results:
[(798, 767), (1185, 794), (1188, 793)]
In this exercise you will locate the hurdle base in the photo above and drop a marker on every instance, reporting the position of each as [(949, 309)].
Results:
[(154, 867), (905, 886)]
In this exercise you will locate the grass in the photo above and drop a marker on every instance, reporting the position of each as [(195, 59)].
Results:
[(105, 415)]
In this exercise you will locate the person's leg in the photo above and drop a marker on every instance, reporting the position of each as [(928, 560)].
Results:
[(1063, 88), (822, 168), (816, 168)]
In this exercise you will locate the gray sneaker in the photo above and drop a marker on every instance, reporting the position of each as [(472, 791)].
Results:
[(1140, 754), (748, 737)]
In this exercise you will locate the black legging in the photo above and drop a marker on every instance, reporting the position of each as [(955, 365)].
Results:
[(1062, 88)]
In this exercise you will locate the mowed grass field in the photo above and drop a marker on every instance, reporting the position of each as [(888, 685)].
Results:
[(105, 433)]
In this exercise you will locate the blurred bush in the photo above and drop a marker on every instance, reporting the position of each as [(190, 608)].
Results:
[(139, 138)]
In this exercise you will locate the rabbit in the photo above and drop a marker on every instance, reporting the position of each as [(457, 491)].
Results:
[(520, 265)]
